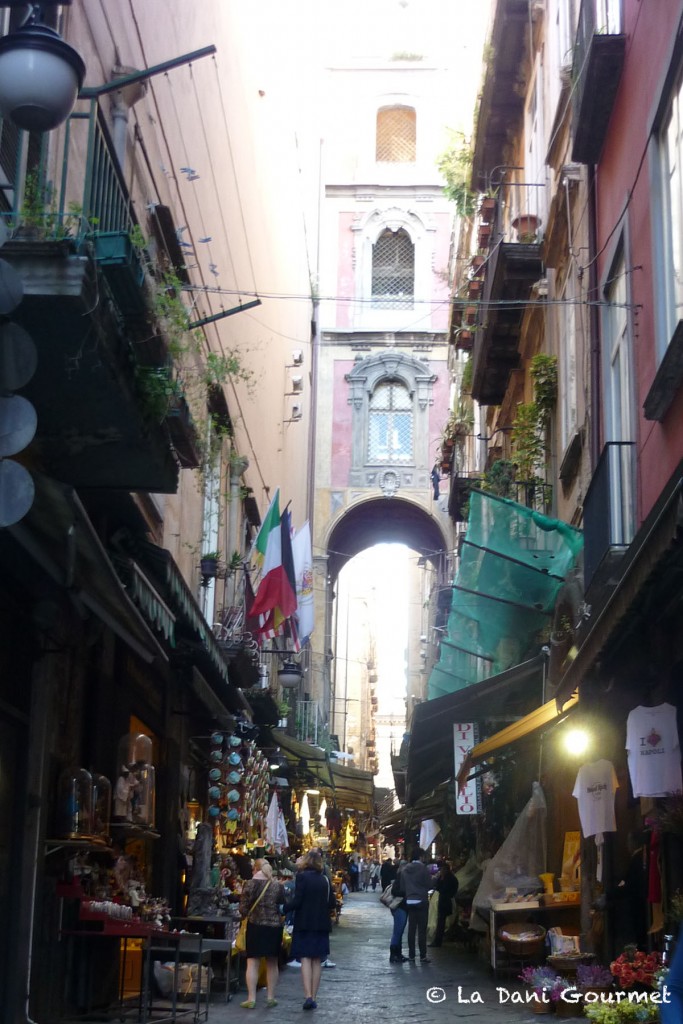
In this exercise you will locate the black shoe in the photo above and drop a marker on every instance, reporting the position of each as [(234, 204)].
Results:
[(412, 959), (425, 960)]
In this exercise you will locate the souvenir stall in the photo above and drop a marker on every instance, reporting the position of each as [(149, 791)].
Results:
[(101, 853)]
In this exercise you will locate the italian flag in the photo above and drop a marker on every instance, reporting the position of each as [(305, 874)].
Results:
[(275, 598)]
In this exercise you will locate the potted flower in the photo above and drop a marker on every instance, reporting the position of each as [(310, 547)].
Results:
[(208, 564), (635, 970), (566, 998), (593, 979), (543, 982)]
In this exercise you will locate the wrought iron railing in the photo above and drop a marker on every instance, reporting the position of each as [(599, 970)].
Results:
[(309, 722), (609, 506), (75, 191), (518, 215)]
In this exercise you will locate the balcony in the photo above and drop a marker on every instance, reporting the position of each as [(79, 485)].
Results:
[(609, 512), (513, 266), (596, 71), (309, 722), (87, 310)]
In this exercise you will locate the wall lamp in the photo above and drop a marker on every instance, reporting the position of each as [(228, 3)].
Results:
[(40, 74), (290, 675)]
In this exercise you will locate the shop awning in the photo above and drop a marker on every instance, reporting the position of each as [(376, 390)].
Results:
[(58, 534), (353, 788), (430, 750), (311, 764), (545, 715), (641, 566)]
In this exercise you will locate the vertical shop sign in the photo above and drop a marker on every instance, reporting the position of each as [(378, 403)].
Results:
[(467, 799)]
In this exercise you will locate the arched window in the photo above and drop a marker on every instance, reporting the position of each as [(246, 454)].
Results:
[(390, 425), (395, 140), (393, 270)]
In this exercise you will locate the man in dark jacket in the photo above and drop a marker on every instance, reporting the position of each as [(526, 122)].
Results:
[(414, 884), (387, 873), (447, 886)]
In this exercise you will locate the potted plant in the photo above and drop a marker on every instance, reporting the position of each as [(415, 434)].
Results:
[(635, 970), (208, 564), (592, 980), (526, 225), (542, 981)]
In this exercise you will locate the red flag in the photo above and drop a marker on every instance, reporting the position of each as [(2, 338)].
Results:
[(275, 599)]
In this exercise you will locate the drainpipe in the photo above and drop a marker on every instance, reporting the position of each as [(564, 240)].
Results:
[(121, 102), (238, 466), (595, 376)]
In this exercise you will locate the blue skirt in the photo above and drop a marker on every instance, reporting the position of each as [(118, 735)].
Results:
[(310, 944)]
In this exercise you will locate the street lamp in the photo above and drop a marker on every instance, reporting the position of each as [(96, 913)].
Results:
[(40, 75)]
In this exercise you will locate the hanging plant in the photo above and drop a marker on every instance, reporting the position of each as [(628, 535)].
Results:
[(543, 370)]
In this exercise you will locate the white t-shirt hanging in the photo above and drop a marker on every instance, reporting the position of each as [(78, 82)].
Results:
[(654, 756), (594, 790)]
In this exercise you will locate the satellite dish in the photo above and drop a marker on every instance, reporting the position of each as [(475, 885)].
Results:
[(18, 422), (18, 357), (16, 492), (11, 288)]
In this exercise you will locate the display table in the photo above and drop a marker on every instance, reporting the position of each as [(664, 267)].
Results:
[(549, 916), (218, 933)]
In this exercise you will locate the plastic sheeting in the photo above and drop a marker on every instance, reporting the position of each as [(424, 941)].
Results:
[(521, 858), (514, 561)]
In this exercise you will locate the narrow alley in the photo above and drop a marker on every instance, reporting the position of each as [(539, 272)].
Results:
[(365, 986)]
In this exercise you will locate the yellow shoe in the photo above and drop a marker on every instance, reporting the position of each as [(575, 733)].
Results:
[(248, 1004), (271, 1002)]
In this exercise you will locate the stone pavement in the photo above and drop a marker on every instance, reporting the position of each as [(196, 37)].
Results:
[(364, 986)]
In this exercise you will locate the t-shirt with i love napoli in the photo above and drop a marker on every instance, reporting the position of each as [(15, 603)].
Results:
[(654, 754), (594, 790)]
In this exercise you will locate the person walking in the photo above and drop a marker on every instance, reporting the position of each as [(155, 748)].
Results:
[(260, 902), (446, 886), (414, 883), (374, 874), (312, 903), (387, 873)]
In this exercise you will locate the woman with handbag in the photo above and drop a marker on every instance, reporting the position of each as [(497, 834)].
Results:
[(260, 905), (397, 906)]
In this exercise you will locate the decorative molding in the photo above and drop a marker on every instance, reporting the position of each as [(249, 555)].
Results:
[(389, 483)]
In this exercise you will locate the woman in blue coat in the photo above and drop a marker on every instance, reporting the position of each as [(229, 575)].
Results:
[(312, 904)]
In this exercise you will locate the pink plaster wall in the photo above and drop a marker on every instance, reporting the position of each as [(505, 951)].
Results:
[(440, 292), (649, 32), (345, 273), (342, 414)]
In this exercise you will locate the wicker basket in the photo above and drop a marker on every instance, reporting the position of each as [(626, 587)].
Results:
[(520, 938)]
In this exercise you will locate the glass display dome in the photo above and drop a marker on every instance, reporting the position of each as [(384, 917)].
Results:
[(75, 804), (101, 804)]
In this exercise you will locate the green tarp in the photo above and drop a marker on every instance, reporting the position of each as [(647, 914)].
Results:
[(513, 562)]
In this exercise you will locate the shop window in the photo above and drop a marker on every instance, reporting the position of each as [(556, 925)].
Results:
[(393, 270), (390, 426), (396, 133)]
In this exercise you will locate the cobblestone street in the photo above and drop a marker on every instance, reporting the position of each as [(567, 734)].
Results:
[(364, 986)]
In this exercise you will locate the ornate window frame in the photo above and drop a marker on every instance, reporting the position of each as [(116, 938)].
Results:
[(418, 377)]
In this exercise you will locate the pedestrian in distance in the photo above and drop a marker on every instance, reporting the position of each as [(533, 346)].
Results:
[(387, 873), (414, 883), (446, 886), (374, 874), (261, 900), (312, 903)]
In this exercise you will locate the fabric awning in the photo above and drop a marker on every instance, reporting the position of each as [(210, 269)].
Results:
[(545, 715), (353, 788), (430, 751), (310, 762)]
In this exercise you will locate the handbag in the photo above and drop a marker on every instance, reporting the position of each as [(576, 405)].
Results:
[(240, 943), (389, 900)]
